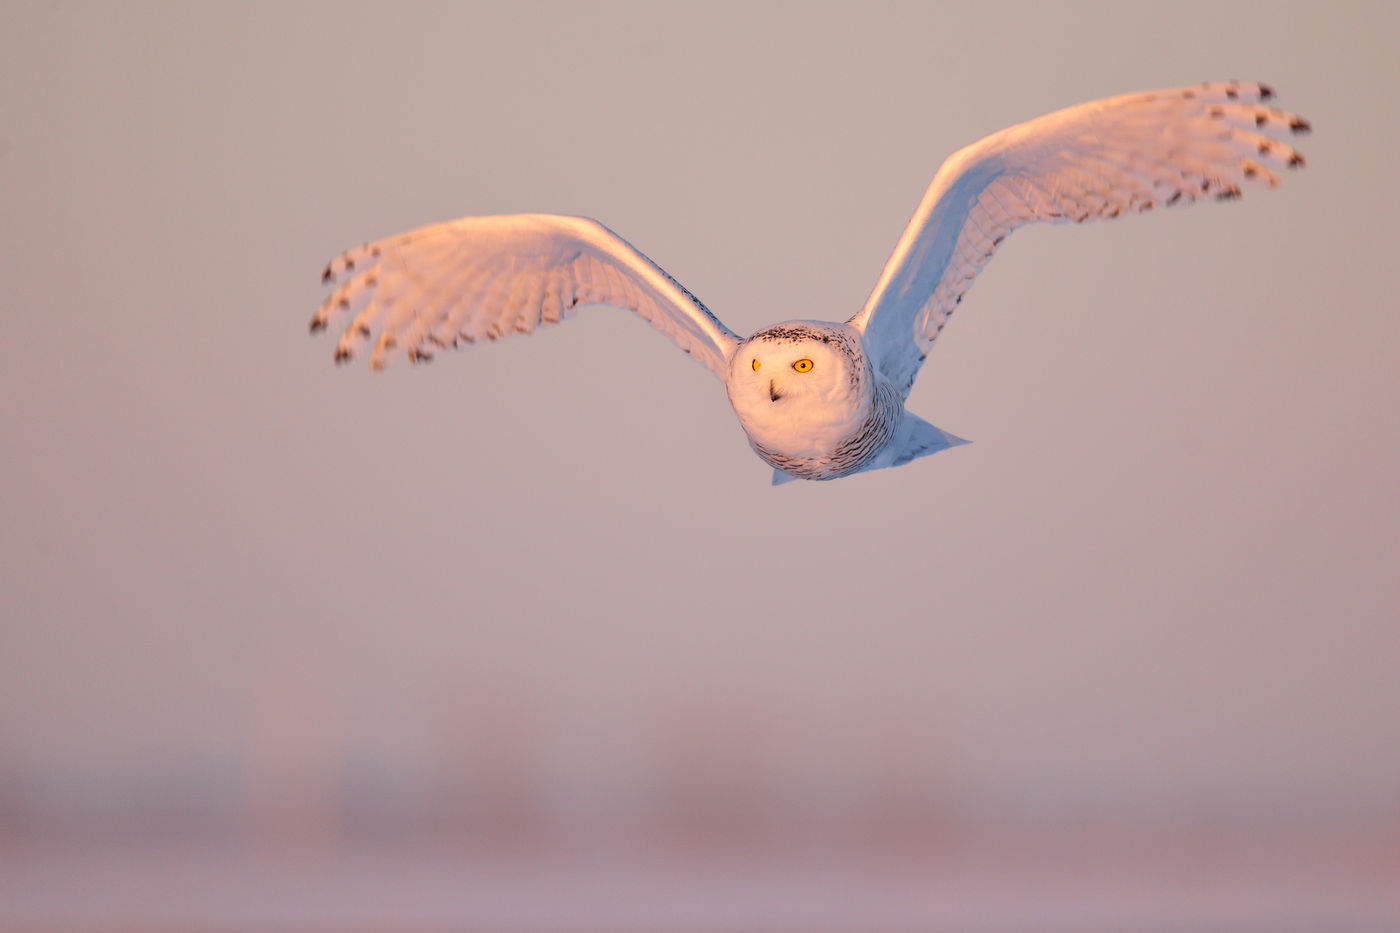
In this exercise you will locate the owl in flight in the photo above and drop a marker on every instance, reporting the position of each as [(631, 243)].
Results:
[(817, 399)]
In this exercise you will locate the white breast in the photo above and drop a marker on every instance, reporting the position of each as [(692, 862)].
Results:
[(807, 427)]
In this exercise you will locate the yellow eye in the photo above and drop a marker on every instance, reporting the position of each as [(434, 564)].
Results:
[(803, 366), (755, 365)]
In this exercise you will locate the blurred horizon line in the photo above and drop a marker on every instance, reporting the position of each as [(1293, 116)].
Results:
[(365, 804)]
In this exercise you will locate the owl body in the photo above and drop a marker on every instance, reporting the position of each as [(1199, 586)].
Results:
[(809, 401), (820, 400)]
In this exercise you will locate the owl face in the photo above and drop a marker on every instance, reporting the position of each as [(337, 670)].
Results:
[(796, 362), (801, 380)]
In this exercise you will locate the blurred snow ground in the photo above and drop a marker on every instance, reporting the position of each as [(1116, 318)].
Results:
[(1003, 880)]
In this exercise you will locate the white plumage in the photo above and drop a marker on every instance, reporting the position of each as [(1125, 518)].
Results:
[(820, 400)]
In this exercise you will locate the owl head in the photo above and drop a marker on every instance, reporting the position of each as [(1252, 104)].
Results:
[(792, 366)]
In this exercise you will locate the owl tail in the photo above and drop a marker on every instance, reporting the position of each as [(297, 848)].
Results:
[(917, 438)]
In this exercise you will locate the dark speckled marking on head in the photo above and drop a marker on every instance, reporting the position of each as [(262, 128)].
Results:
[(780, 332)]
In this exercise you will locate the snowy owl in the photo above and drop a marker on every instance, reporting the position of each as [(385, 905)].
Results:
[(819, 400)]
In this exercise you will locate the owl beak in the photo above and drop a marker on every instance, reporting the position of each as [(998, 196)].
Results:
[(773, 391)]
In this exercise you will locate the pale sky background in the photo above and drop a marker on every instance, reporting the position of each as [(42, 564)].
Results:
[(1162, 580)]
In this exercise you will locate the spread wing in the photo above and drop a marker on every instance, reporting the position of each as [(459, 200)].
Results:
[(454, 283), (1124, 154)]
